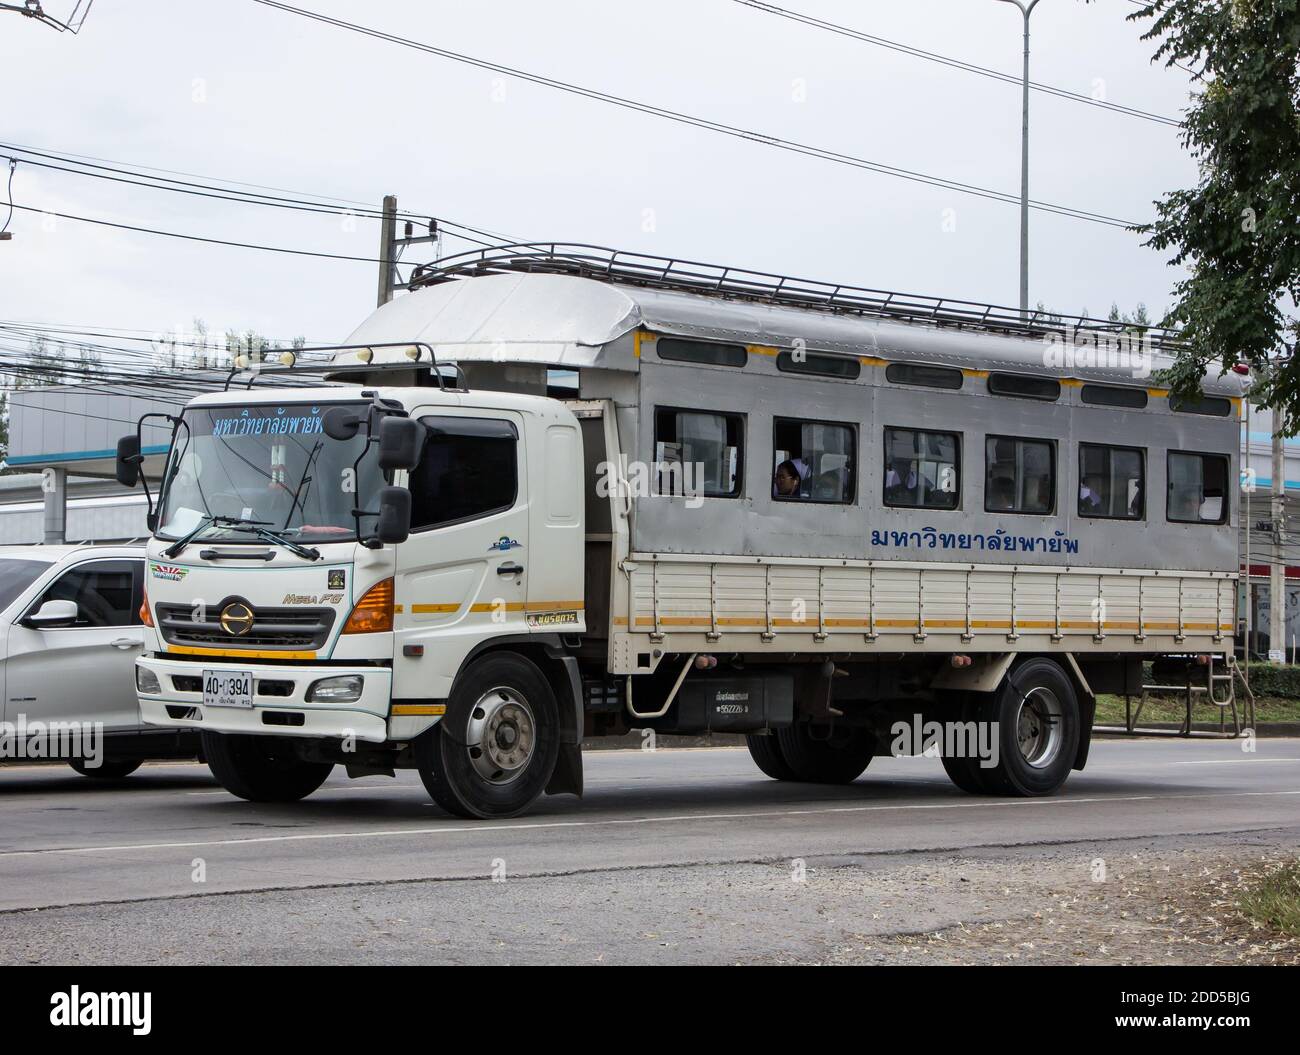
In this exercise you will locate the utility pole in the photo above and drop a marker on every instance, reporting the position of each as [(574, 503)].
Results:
[(387, 249), (1277, 569), (1026, 9)]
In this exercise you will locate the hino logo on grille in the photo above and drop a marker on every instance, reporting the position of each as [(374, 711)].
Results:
[(237, 618)]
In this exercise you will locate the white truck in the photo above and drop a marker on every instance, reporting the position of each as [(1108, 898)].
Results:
[(555, 494)]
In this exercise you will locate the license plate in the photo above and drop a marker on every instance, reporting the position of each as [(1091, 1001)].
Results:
[(228, 688)]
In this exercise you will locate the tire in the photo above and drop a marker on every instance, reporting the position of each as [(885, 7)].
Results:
[(965, 771), (837, 760), (1037, 712), (262, 768), (109, 770), (494, 751), (765, 750)]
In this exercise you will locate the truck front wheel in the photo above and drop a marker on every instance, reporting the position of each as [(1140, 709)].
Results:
[(494, 751), (262, 768)]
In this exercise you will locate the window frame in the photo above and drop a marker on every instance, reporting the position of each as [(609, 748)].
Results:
[(854, 431), (1201, 408), (1141, 452), (1225, 509), (137, 594), (884, 476), (1053, 475), (514, 497), (740, 416)]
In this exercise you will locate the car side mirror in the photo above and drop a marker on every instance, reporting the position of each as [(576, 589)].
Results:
[(127, 469), (53, 615), (400, 442), (394, 515)]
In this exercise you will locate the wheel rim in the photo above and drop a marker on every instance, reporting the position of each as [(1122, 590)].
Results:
[(501, 736), (1038, 727)]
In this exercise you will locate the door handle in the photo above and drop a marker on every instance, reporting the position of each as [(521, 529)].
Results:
[(125, 642), (510, 569)]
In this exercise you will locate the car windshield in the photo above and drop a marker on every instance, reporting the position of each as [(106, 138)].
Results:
[(16, 575), (269, 465)]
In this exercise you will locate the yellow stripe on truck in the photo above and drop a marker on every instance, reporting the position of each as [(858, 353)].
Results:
[(239, 653), (418, 710)]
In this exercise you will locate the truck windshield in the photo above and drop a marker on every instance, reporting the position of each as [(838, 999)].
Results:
[(271, 465)]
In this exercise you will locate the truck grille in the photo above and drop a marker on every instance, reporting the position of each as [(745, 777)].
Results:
[(272, 628)]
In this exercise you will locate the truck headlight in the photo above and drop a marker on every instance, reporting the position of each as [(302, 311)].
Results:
[(345, 689), (146, 681)]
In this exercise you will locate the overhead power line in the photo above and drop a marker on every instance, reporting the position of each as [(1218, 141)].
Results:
[(968, 67), (120, 172), (701, 122)]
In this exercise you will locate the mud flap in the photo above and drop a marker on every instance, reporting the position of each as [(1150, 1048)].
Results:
[(567, 778)]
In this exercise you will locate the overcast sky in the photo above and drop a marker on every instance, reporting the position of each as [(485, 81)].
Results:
[(243, 92)]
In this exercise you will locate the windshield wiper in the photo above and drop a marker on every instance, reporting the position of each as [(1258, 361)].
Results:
[(177, 547), (260, 528)]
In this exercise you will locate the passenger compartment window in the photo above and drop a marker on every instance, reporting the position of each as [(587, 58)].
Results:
[(710, 353), (698, 453), (922, 469), (468, 470), (924, 376), (818, 365), (813, 461), (1210, 406), (1112, 482), (1023, 387), (1019, 475), (1198, 488)]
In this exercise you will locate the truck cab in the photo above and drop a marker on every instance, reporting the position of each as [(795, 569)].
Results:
[(327, 563)]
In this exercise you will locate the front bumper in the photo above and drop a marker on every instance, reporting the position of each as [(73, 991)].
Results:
[(286, 713)]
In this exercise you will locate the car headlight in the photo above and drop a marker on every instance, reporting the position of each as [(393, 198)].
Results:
[(344, 689), (146, 681)]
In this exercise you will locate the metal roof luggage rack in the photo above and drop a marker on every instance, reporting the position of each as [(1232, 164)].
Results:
[(715, 280)]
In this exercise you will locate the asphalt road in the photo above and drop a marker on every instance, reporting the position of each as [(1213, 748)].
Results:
[(678, 855)]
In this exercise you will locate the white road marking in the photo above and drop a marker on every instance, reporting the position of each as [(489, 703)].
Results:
[(466, 829)]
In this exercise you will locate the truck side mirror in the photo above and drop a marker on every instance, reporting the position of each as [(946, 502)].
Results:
[(341, 423), (400, 443), (394, 515), (127, 468)]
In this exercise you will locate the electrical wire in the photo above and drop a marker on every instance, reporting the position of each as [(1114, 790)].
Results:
[(701, 122), (931, 56)]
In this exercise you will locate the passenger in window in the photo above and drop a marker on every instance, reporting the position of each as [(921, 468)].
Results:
[(1090, 495), (899, 482), (1002, 494), (1135, 506), (788, 480)]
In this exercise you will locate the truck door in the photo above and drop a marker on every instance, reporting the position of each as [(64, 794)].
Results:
[(462, 576)]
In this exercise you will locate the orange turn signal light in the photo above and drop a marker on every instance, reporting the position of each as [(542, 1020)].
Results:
[(374, 612), (146, 616)]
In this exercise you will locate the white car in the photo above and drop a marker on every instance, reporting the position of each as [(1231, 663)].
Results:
[(70, 633)]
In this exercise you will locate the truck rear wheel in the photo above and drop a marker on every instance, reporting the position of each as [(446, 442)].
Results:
[(262, 768), (835, 755), (494, 751), (766, 753), (1038, 728)]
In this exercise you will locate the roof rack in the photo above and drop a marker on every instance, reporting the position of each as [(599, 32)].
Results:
[(424, 359), (730, 283)]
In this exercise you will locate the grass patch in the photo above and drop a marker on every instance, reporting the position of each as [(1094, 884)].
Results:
[(1273, 900), (1110, 710)]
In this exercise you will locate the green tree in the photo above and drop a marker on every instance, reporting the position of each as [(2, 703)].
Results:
[(1237, 231)]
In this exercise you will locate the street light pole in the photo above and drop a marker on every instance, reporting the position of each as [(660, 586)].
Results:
[(1025, 10)]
